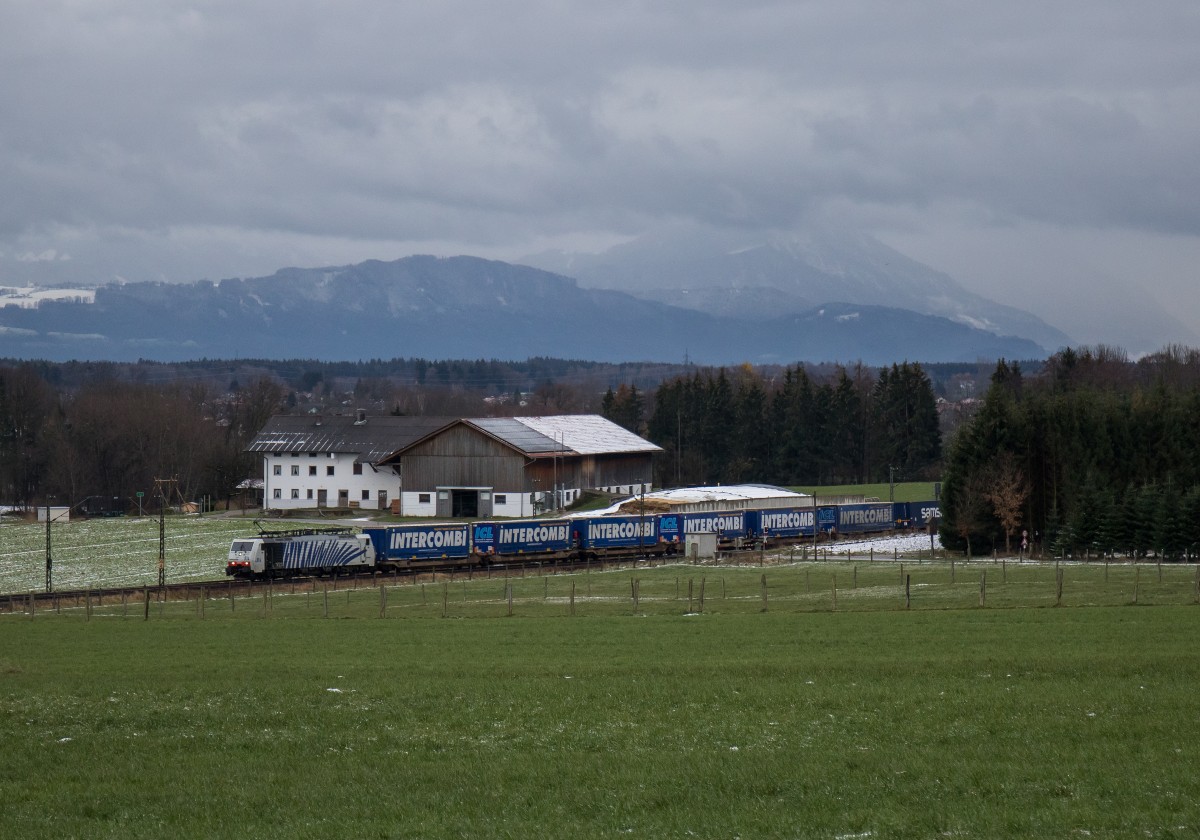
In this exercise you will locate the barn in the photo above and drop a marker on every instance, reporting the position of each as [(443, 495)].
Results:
[(443, 467)]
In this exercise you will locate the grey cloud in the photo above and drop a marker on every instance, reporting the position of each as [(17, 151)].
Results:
[(174, 139)]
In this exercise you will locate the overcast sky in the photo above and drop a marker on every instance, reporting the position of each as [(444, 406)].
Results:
[(1045, 154)]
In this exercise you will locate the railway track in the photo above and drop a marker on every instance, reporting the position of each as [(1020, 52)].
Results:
[(33, 602)]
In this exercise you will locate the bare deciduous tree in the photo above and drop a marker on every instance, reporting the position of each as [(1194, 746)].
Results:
[(1006, 491)]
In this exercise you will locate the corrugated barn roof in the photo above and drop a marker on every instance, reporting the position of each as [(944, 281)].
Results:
[(371, 438), (586, 434)]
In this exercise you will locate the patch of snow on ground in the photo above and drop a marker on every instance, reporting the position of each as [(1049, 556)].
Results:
[(901, 543)]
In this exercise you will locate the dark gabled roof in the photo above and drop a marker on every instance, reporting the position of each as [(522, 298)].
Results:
[(371, 439)]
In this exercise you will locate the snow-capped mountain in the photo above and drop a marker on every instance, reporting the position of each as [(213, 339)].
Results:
[(754, 275)]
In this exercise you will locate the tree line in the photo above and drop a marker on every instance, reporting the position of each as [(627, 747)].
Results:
[(1095, 455), (728, 426), (112, 438)]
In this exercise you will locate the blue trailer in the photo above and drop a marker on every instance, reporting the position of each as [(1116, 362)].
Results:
[(628, 535), (406, 544), (729, 526), (918, 514), (865, 518), (781, 523), (536, 538)]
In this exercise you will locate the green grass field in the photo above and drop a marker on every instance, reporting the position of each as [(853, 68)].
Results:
[(907, 491), (265, 718)]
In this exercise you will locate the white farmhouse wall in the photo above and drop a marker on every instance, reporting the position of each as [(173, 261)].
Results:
[(289, 482)]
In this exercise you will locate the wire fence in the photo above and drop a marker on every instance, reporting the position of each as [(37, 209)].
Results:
[(638, 589)]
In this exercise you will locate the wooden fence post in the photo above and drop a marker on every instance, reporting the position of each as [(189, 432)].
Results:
[(1058, 588), (382, 601), (445, 600), (689, 596), (702, 594), (983, 589), (907, 593), (146, 606), (572, 597), (509, 595), (764, 592), (325, 598)]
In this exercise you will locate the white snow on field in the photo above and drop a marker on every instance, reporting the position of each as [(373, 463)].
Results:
[(901, 543), (28, 297)]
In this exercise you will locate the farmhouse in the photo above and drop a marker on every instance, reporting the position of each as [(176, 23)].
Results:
[(445, 466)]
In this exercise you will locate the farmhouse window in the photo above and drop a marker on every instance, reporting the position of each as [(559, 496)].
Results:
[(295, 469), (277, 469), (501, 499), (329, 470), (309, 493), (295, 493), (277, 494), (423, 498), (358, 468), (312, 470), (366, 495)]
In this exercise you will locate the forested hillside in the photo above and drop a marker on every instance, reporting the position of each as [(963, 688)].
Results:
[(723, 426), (1097, 454)]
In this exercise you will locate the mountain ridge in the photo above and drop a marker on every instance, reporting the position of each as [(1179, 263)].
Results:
[(767, 274), (462, 307)]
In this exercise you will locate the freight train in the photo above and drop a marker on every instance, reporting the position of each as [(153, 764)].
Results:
[(414, 546)]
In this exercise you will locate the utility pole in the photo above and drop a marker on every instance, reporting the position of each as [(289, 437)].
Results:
[(162, 542), (161, 485), (49, 561), (642, 522)]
